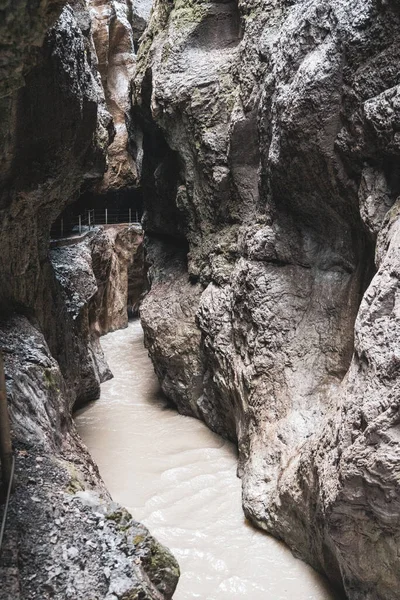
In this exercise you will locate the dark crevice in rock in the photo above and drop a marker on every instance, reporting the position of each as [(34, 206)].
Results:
[(161, 169), (55, 131), (287, 194)]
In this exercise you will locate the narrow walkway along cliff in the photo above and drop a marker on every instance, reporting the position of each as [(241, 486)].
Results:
[(261, 141)]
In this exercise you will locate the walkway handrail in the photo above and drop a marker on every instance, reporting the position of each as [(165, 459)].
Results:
[(10, 485), (5, 428), (96, 216)]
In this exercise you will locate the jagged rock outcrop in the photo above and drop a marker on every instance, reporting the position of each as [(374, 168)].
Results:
[(277, 122), (118, 265), (117, 26), (64, 537), (100, 278), (113, 38)]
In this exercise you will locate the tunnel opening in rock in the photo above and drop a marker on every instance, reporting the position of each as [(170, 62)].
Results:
[(255, 289), (92, 209)]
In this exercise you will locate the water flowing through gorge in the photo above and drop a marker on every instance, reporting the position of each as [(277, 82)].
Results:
[(259, 141), (179, 479)]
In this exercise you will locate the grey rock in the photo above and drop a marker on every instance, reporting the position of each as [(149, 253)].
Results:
[(95, 279), (122, 547), (55, 130), (375, 199), (281, 118)]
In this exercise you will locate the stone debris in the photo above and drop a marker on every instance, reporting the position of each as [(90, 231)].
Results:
[(95, 545)]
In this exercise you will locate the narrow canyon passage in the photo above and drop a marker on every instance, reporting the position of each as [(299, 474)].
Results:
[(179, 479)]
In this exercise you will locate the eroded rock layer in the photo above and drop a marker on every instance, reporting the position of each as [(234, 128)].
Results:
[(64, 537), (116, 27), (270, 165), (114, 43)]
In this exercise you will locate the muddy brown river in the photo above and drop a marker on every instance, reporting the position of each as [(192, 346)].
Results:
[(179, 479)]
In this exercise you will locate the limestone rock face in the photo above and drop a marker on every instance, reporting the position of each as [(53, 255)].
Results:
[(64, 537), (277, 123), (117, 26), (171, 333), (141, 10), (349, 471), (50, 147), (73, 333), (113, 38), (91, 297), (118, 265)]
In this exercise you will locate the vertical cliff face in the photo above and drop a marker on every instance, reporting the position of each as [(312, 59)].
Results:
[(118, 265), (91, 298), (43, 141), (116, 27), (56, 137), (275, 127), (114, 43), (65, 538)]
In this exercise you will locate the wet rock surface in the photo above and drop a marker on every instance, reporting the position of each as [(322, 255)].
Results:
[(111, 24), (93, 278), (118, 265), (82, 543), (279, 119), (64, 536)]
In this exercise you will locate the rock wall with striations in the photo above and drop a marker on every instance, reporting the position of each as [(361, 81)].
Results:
[(64, 537), (114, 42), (116, 28), (271, 167)]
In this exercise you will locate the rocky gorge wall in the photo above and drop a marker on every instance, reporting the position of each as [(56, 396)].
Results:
[(265, 138), (64, 538), (99, 279), (116, 27), (271, 176)]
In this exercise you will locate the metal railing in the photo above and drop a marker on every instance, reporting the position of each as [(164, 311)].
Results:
[(7, 457), (10, 485), (77, 224)]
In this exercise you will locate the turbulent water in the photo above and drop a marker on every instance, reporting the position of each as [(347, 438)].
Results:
[(179, 479)]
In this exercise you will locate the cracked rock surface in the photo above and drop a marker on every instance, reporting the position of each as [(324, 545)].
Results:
[(65, 538), (271, 182)]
